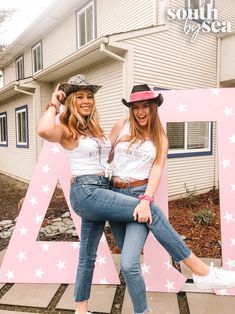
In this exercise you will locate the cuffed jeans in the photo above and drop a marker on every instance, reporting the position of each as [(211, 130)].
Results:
[(91, 199)]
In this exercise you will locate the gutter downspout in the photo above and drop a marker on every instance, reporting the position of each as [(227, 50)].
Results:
[(16, 88), (127, 75)]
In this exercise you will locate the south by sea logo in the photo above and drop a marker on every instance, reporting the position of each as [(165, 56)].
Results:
[(206, 16)]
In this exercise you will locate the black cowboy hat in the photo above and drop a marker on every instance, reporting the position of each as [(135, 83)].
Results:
[(143, 92)]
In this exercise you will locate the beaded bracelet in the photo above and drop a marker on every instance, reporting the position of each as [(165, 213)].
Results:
[(50, 104), (145, 197)]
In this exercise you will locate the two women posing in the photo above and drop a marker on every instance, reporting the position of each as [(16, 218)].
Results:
[(138, 149)]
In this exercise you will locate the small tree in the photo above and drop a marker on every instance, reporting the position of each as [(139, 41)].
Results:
[(5, 14)]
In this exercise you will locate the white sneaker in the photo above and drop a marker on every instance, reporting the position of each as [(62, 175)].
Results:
[(217, 278)]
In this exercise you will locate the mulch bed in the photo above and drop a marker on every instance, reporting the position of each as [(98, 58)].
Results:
[(203, 240)]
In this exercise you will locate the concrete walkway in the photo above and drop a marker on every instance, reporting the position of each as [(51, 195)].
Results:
[(55, 298)]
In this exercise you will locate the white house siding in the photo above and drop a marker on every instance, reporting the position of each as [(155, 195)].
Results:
[(108, 98), (9, 74), (168, 59), (226, 10), (14, 161), (115, 16), (60, 42)]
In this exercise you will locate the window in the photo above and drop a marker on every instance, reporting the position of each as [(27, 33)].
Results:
[(86, 24), (189, 138), (37, 58), (22, 127), (196, 4), (3, 129), (20, 68)]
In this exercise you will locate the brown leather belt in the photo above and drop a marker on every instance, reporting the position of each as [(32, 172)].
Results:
[(124, 185)]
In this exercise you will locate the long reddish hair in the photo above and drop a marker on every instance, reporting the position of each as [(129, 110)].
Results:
[(155, 131)]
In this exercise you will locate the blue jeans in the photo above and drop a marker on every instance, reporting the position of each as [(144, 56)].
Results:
[(91, 199), (130, 238)]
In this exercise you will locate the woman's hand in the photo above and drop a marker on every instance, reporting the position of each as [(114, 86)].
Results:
[(142, 212), (58, 96)]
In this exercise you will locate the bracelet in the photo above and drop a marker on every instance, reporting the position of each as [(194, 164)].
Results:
[(50, 104), (146, 198)]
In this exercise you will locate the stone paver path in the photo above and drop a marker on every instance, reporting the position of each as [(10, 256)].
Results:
[(37, 298)]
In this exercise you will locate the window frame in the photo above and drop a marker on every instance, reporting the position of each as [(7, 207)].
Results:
[(17, 62), (179, 153), (39, 44), (17, 111), (79, 12), (5, 143), (187, 7)]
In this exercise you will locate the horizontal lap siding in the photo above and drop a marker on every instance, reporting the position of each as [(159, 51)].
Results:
[(119, 16), (226, 10), (18, 162), (108, 98)]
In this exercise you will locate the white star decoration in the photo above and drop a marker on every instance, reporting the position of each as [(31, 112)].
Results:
[(45, 189), (230, 263), (228, 112), (101, 260), (21, 256), (168, 264), (228, 217), (75, 245), (39, 272), (232, 139), (23, 231), (103, 281), (45, 169), (10, 274), (33, 200), (232, 187), (182, 108), (61, 265), (232, 242), (38, 219), (215, 91), (45, 247), (55, 149), (225, 163), (145, 268), (169, 285)]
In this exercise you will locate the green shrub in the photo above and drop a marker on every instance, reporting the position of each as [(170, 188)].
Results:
[(205, 216), (191, 196)]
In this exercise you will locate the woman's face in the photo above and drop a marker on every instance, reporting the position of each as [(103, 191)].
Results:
[(85, 102), (141, 112)]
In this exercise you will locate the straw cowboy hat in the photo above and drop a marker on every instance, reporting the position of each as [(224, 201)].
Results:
[(143, 92), (76, 83)]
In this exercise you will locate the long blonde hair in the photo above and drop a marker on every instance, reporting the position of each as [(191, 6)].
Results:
[(77, 124), (155, 131)]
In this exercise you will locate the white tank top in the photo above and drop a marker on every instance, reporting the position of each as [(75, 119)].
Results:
[(90, 157), (135, 163)]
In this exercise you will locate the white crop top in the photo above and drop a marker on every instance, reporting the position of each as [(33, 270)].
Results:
[(90, 157), (135, 163)]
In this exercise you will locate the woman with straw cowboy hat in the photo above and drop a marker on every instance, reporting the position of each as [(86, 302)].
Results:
[(87, 148)]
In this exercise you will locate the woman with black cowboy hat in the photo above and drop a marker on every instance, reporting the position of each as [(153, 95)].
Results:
[(83, 139)]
